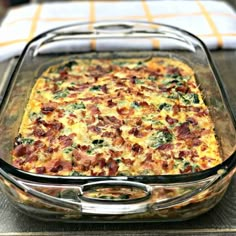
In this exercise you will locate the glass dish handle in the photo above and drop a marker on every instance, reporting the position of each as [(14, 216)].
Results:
[(113, 207), (109, 30), (118, 198), (55, 201)]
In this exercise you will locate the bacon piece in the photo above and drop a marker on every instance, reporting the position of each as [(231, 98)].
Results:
[(204, 147), (63, 74), (139, 122), (182, 88), (19, 150), (113, 119), (108, 134), (170, 120), (187, 169), (80, 87), (120, 83), (127, 161), (165, 165), (31, 158), (101, 162), (184, 131), (104, 88), (205, 131), (134, 131), (51, 134), (38, 132), (173, 70), (110, 103), (143, 104), (98, 71), (93, 109), (90, 120), (70, 121), (55, 125), (118, 141), (137, 148), (112, 167), (73, 88), (203, 112), (115, 154), (38, 144), (55, 88), (183, 154), (47, 110), (40, 170), (58, 165), (148, 158), (83, 148), (60, 112), (65, 141), (166, 147), (176, 109), (147, 89), (192, 121), (118, 131), (94, 129), (82, 158), (49, 150), (193, 142), (72, 95), (124, 111)]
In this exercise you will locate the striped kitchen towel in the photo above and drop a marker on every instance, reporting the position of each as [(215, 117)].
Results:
[(213, 21)]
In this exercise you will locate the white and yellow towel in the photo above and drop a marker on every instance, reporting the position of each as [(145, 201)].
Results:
[(213, 21)]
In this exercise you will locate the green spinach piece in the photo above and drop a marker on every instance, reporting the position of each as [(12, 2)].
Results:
[(161, 137)]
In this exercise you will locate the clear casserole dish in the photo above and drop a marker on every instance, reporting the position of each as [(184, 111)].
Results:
[(144, 197)]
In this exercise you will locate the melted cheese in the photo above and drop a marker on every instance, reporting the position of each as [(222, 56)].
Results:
[(116, 117)]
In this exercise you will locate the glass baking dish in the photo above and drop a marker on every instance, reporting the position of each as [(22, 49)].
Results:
[(70, 198)]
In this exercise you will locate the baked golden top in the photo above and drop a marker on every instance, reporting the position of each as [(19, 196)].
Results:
[(108, 117)]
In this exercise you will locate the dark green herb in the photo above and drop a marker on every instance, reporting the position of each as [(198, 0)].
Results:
[(165, 106), (135, 105), (160, 138), (139, 64), (189, 98), (59, 83), (67, 65), (33, 115), (61, 94), (70, 64), (27, 140), (68, 150), (176, 76), (95, 88), (124, 196), (90, 151), (139, 81), (97, 141), (106, 197), (152, 78), (77, 106), (76, 173)]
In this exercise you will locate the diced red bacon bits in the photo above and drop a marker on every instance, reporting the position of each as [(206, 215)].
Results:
[(111, 117)]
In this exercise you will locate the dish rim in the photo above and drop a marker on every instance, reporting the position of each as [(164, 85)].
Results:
[(227, 165)]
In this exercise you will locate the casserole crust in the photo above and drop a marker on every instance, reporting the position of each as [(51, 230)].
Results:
[(109, 117)]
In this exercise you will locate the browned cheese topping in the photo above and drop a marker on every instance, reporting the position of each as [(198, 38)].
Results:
[(109, 117)]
